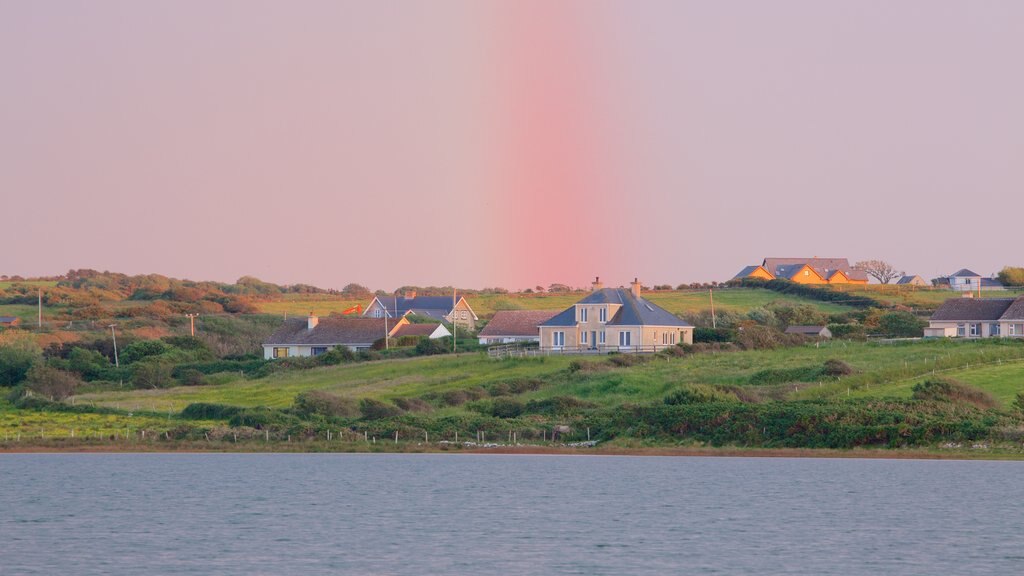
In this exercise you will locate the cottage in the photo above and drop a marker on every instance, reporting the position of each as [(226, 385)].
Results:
[(977, 318), (966, 280), (312, 336), (806, 271), (431, 331), (810, 331), (449, 309), (614, 319), (911, 281), (509, 326), (9, 321)]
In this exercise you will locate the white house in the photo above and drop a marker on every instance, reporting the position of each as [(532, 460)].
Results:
[(978, 318), (509, 326), (313, 336)]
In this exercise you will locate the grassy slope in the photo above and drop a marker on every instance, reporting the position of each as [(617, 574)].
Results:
[(924, 298), (881, 370), (679, 302)]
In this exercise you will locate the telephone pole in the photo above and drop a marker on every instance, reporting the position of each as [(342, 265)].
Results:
[(114, 337), (711, 294), (192, 319), (40, 307)]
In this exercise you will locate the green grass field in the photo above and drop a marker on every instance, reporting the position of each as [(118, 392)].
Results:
[(881, 371), (917, 297)]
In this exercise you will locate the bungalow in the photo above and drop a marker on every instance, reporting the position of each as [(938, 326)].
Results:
[(9, 321), (614, 319), (810, 331), (313, 336), (965, 280), (431, 331), (977, 318), (436, 307), (806, 271), (509, 326), (911, 281)]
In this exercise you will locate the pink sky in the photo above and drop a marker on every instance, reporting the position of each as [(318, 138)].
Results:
[(508, 143)]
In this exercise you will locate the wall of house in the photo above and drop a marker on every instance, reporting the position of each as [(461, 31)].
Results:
[(807, 275), (761, 273), (463, 316), (641, 337), (985, 329), (508, 339)]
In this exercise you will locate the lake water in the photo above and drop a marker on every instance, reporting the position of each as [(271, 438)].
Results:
[(136, 514)]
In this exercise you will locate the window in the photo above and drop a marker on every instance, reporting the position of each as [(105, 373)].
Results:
[(668, 338), (625, 338), (960, 330), (317, 350), (807, 272), (1020, 329), (557, 339), (975, 329), (993, 329), (281, 352), (1013, 329), (602, 315), (583, 337), (378, 313), (601, 337), (464, 315), (583, 314)]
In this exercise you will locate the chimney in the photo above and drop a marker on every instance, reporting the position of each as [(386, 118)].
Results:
[(596, 284), (410, 294), (636, 288), (312, 321)]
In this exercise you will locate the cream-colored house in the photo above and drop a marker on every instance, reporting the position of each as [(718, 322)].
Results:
[(313, 336), (614, 319), (452, 310), (978, 318)]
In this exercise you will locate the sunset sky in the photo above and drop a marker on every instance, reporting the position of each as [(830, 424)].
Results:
[(483, 143)]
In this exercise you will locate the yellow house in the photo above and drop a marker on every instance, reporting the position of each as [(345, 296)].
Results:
[(614, 319), (806, 271)]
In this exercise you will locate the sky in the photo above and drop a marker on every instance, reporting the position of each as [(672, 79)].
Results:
[(521, 143)]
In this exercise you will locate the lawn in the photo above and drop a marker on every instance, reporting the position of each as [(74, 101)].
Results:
[(1004, 380)]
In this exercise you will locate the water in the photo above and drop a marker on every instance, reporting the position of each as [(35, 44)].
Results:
[(462, 514)]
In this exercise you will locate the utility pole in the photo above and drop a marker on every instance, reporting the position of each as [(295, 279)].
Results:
[(114, 337), (387, 337), (40, 307), (455, 318), (192, 319), (714, 323)]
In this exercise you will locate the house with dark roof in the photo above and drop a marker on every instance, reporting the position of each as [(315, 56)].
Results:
[(508, 326), (965, 280), (810, 331), (614, 319), (441, 308), (9, 321), (911, 281), (431, 331), (977, 318), (313, 336), (806, 271)]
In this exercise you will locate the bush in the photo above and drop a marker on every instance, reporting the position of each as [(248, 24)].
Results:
[(191, 377), (713, 335), (455, 397), (901, 325), (699, 394), (559, 406), (413, 405), (849, 331), (950, 390), (325, 404), (773, 376), (429, 347), (16, 359), (206, 411), (152, 374), (337, 355), (836, 368), (376, 410), (506, 408), (52, 383), (142, 349), (262, 418)]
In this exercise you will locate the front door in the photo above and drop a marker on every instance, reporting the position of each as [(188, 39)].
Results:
[(593, 339)]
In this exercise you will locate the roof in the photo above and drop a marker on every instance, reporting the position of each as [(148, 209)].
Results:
[(415, 330), (815, 330), (331, 331), (7, 319), (966, 309), (1015, 311), (632, 311), (516, 323), (431, 306), (825, 267), (991, 283), (909, 279), (746, 272), (964, 272)]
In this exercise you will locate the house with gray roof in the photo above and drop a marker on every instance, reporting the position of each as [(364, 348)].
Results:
[(965, 280), (313, 336), (508, 326), (810, 331), (614, 319), (806, 271), (913, 280), (454, 310), (977, 318)]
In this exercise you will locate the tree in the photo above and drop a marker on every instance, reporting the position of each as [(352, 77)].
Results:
[(16, 358), (354, 290), (52, 383), (1011, 276), (879, 270)]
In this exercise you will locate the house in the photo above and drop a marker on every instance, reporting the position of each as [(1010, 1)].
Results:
[(431, 331), (509, 326), (977, 318), (9, 321), (810, 331), (435, 307), (312, 336), (911, 281), (966, 280), (806, 271), (614, 319)]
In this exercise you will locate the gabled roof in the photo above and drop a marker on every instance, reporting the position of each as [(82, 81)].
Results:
[(812, 330), (7, 319), (516, 323), (825, 267), (964, 273), (431, 306), (991, 283), (332, 331), (416, 330), (909, 279), (1015, 311), (632, 311), (791, 271), (746, 272), (968, 309)]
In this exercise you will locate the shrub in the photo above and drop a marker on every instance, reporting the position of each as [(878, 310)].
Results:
[(901, 325), (52, 383), (834, 367), (262, 418), (376, 410), (849, 331), (191, 377), (559, 406), (950, 390), (713, 335), (524, 385), (325, 404), (499, 389), (698, 394), (506, 408), (429, 347), (149, 375), (413, 405), (206, 411), (455, 397), (772, 376), (16, 359), (337, 355)]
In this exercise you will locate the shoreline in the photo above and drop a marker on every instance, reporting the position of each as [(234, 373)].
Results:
[(933, 453)]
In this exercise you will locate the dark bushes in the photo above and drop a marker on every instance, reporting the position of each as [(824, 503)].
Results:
[(376, 410), (950, 390), (325, 404)]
